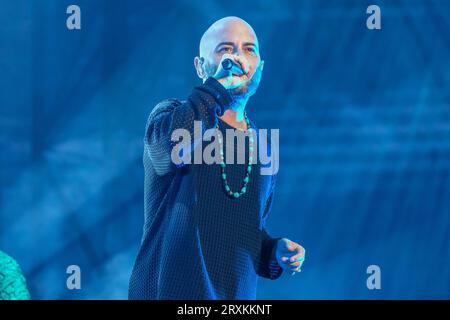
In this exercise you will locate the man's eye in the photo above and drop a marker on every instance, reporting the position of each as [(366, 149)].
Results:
[(251, 49), (226, 49)]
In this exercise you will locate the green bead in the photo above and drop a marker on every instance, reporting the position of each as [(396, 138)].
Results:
[(249, 167)]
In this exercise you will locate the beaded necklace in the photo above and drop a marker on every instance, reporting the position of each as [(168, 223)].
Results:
[(246, 179)]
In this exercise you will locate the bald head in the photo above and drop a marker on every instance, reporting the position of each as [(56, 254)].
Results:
[(228, 29)]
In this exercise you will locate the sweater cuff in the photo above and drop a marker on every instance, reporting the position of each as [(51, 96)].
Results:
[(271, 268), (222, 96)]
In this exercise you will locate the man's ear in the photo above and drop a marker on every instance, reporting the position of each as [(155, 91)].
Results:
[(198, 63)]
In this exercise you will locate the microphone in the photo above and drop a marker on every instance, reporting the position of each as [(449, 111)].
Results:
[(227, 64)]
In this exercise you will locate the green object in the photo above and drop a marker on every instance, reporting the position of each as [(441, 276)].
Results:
[(12, 282), (243, 190)]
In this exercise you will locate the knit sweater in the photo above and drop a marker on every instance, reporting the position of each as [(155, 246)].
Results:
[(198, 242)]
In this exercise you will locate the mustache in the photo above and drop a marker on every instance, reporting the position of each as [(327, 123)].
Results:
[(211, 69)]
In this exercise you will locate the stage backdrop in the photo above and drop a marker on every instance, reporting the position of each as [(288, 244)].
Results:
[(364, 119)]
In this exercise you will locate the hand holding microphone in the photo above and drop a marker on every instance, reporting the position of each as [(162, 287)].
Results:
[(233, 71)]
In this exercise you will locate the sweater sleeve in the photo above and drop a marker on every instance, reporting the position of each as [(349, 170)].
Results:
[(268, 265), (204, 104)]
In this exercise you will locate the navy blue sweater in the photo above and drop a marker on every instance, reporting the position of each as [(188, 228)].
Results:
[(198, 243)]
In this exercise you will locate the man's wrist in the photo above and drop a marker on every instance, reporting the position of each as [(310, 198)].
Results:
[(273, 255), (219, 93)]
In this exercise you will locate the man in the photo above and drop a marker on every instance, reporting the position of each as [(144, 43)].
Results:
[(204, 231)]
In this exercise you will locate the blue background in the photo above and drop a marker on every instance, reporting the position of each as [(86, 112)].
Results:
[(364, 118)]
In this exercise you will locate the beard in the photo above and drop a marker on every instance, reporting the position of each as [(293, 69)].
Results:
[(249, 88), (244, 91)]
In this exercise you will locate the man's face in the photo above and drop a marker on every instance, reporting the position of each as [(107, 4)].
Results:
[(232, 36)]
